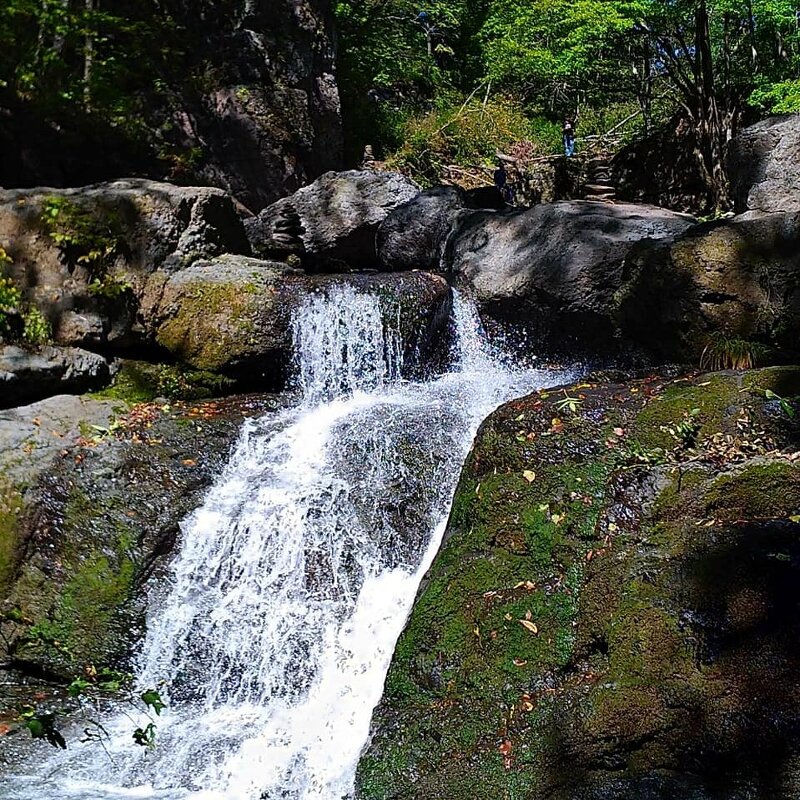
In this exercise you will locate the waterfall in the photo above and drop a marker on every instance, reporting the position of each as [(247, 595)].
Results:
[(274, 632)]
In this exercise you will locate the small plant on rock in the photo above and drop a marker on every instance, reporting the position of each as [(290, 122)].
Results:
[(686, 431), (726, 352), (37, 328)]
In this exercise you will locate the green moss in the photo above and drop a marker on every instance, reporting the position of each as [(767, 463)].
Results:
[(712, 398), (213, 324), (759, 491), (142, 382), (784, 381), (11, 505)]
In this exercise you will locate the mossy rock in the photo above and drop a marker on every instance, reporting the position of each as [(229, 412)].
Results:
[(98, 523), (614, 610), (143, 382)]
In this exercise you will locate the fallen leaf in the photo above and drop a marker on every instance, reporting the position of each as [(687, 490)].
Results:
[(619, 432), (518, 662), (189, 462), (506, 747), (529, 475), (529, 626)]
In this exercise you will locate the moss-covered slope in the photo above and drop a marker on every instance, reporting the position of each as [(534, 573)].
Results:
[(615, 610)]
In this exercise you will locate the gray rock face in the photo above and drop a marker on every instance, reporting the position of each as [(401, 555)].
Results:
[(84, 256), (272, 120), (413, 235), (340, 212), (554, 269), (764, 164), (26, 375), (736, 278), (233, 314)]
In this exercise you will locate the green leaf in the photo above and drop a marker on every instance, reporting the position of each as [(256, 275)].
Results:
[(152, 699)]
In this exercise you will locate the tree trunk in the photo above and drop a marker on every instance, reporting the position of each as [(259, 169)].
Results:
[(708, 122), (88, 56)]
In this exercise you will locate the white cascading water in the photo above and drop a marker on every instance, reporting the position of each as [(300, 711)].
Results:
[(294, 579)]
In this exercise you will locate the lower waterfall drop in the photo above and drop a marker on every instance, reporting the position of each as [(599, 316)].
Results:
[(294, 579)]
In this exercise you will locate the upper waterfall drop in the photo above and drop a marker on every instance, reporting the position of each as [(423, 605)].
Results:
[(344, 341), (275, 628)]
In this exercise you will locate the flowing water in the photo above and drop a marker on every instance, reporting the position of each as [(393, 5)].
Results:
[(273, 635)]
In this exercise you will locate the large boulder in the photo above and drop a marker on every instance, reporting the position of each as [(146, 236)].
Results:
[(727, 286), (554, 269), (764, 165), (340, 213), (84, 256), (233, 315), (613, 612), (413, 235), (32, 374)]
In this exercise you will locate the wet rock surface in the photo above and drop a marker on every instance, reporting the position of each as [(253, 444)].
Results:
[(233, 315), (614, 610), (92, 493)]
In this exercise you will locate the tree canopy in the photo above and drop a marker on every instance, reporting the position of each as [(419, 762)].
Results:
[(718, 62)]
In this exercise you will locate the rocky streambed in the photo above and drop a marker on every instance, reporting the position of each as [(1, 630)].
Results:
[(613, 610)]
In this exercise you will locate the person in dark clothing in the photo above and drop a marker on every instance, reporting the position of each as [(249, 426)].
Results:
[(568, 135), (500, 177), (502, 185)]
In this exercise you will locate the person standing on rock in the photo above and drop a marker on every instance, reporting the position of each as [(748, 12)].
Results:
[(500, 177), (568, 135), (502, 185)]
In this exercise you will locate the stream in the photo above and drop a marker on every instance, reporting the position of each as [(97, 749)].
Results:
[(272, 637)]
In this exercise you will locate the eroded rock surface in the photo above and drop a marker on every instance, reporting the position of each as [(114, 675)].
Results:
[(340, 213)]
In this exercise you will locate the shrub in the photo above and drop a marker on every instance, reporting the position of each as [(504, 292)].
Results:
[(37, 328), (469, 133)]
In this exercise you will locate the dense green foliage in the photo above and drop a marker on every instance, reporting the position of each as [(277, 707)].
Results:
[(473, 76), (615, 65)]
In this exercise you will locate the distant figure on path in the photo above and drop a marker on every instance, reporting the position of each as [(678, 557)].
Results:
[(568, 134), (502, 185), (500, 177)]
